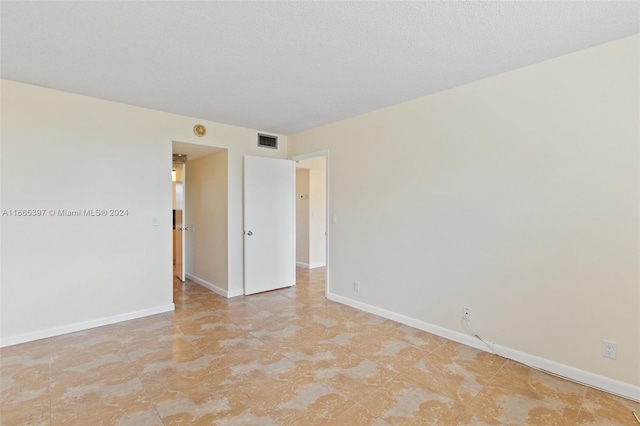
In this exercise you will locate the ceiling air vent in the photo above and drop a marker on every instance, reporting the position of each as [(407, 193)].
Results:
[(268, 141)]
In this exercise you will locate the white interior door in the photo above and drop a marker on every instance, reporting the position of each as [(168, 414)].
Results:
[(269, 224)]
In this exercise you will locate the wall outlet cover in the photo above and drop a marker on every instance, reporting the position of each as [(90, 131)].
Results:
[(609, 349), (466, 313)]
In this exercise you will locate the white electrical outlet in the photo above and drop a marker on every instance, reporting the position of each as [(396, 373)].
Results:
[(609, 349), (356, 286), (466, 313)]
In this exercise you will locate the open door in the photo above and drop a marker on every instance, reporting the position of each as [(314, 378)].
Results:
[(269, 224)]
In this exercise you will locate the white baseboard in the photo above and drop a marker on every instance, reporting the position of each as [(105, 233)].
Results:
[(214, 288), (587, 378), (235, 293), (593, 380), (85, 325), (302, 265)]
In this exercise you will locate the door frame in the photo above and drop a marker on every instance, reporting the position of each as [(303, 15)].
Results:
[(316, 154)]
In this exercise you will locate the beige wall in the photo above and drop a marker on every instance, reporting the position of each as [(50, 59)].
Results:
[(64, 274), (62, 151), (207, 219), (302, 217), (516, 195)]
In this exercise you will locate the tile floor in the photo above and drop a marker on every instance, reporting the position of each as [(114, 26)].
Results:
[(287, 357)]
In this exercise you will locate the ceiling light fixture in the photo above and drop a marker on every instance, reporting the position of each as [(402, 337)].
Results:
[(180, 158)]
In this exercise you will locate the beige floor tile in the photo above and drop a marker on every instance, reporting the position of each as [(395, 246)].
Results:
[(31, 412), (25, 383), (599, 408), (320, 321), (407, 403), (286, 357), (395, 354), (353, 375), (126, 415), (198, 366), (26, 354), (521, 378), (313, 355), (458, 371), (518, 395), (245, 418), (285, 331), (303, 402), (259, 320), (104, 402), (86, 343), (359, 415), (227, 343), (258, 368), (426, 341), (200, 405)]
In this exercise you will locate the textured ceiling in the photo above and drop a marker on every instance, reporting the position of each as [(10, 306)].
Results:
[(289, 66)]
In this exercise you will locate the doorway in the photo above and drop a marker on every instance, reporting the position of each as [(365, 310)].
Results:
[(200, 211), (312, 213), (179, 228)]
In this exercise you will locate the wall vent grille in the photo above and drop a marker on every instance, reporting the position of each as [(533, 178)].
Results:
[(267, 141)]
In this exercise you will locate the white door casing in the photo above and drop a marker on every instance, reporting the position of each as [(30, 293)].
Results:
[(269, 224)]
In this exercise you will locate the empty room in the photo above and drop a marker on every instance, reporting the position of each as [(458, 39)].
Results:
[(320, 213)]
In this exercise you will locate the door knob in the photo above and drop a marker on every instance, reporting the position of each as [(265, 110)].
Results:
[(249, 233)]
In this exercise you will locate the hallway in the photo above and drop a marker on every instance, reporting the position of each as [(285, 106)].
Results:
[(287, 357)]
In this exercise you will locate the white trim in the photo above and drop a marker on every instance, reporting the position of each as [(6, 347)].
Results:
[(214, 288), (587, 378), (85, 325), (315, 154), (302, 265), (327, 227), (235, 293)]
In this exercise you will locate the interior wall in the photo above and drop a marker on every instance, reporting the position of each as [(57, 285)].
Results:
[(207, 219), (317, 167), (516, 195), (60, 274), (67, 152), (302, 217)]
